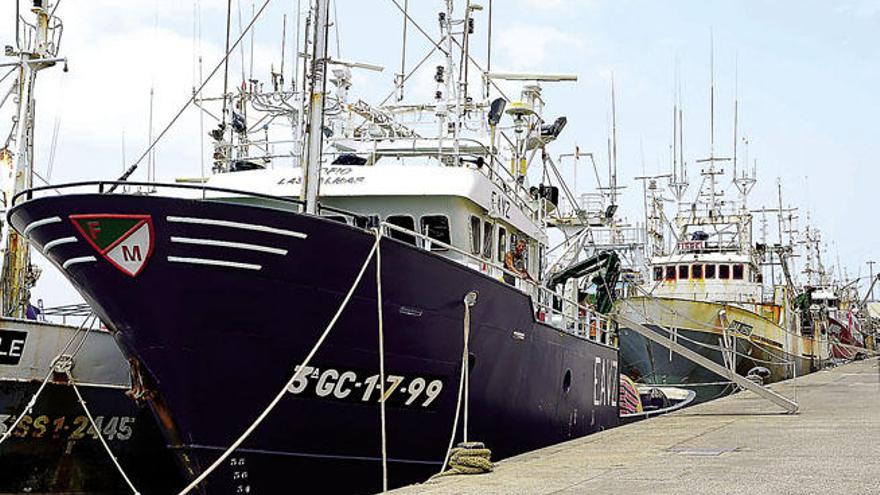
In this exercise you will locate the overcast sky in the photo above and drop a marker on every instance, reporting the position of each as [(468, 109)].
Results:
[(809, 73)]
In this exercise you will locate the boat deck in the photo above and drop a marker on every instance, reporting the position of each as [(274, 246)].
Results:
[(738, 444)]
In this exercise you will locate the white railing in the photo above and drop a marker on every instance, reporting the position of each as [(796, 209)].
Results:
[(579, 320), (618, 236)]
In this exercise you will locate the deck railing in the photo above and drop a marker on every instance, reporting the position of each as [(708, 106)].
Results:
[(548, 306), (149, 189)]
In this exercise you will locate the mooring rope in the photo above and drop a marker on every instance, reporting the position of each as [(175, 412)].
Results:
[(33, 400), (382, 397), (465, 367), (655, 300), (703, 344), (466, 457), (63, 363), (817, 340), (296, 375), (28, 408), (95, 426)]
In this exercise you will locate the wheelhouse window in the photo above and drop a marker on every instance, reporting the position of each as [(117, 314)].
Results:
[(404, 222), (724, 272), (738, 271), (658, 273), (362, 221), (436, 227), (502, 244), (488, 239), (670, 273), (683, 272), (476, 227), (697, 271), (710, 271)]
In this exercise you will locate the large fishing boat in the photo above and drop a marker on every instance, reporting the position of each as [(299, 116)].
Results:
[(218, 290), (706, 287)]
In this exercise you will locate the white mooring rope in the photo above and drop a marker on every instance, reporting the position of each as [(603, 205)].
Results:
[(33, 400), (467, 457), (94, 425), (381, 362), (296, 375), (63, 363), (27, 409), (465, 368)]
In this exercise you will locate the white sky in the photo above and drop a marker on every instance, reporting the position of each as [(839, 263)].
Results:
[(809, 73)]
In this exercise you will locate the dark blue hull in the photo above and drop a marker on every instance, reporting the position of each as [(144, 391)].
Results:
[(217, 342)]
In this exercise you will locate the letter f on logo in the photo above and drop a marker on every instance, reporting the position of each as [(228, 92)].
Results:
[(94, 229)]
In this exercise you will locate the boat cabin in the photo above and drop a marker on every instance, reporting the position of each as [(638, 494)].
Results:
[(706, 276), (456, 212)]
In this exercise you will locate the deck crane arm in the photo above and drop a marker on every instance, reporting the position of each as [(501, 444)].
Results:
[(606, 267)]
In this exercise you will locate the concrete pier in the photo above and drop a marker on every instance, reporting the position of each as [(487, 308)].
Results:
[(740, 444)]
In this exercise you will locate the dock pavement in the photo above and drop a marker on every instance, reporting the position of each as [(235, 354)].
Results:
[(740, 444)]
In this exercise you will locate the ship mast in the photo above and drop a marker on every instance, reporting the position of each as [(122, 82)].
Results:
[(315, 127), (678, 180), (18, 275), (744, 181), (710, 174)]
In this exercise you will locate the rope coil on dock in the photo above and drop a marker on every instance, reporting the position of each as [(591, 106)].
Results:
[(468, 458)]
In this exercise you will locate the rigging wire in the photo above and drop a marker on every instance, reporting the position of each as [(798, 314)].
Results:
[(191, 99), (240, 47), (56, 128), (419, 27), (13, 69), (5, 98), (18, 24), (52, 13), (336, 29), (226, 65)]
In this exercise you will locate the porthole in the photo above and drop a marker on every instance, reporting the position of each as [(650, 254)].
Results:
[(566, 381)]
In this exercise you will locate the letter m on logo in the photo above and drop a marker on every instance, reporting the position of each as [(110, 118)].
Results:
[(132, 253)]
